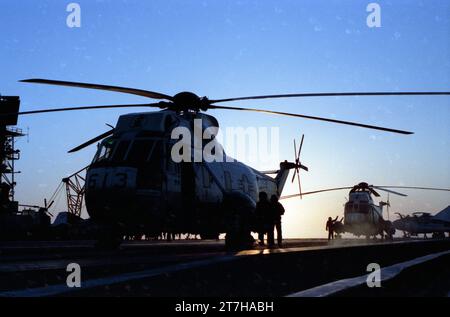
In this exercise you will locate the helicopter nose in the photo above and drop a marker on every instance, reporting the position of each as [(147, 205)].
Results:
[(123, 207)]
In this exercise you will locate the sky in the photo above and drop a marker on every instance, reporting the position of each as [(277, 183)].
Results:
[(225, 49)]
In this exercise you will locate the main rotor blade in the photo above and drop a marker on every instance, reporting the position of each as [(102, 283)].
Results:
[(416, 187), (390, 191), (91, 141), (313, 118), (374, 192), (153, 105), (338, 94), (316, 192), (133, 91), (299, 185)]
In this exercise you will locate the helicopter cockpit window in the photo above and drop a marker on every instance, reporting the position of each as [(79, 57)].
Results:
[(156, 155), (105, 150), (121, 151), (349, 207), (363, 208), (150, 173), (140, 151)]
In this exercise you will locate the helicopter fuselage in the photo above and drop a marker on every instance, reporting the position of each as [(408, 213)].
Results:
[(362, 216), (134, 181)]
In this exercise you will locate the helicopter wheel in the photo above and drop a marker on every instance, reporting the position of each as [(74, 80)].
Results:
[(438, 235)]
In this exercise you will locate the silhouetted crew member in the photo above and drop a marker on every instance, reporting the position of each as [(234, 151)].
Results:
[(278, 211), (263, 216), (330, 227)]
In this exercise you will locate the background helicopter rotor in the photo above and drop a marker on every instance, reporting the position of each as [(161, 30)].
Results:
[(388, 190), (369, 187)]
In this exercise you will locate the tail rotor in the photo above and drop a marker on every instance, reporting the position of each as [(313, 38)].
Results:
[(298, 164)]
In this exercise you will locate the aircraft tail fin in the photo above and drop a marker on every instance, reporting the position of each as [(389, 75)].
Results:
[(282, 175)]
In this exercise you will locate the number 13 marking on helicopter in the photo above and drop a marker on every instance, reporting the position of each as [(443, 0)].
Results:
[(117, 177)]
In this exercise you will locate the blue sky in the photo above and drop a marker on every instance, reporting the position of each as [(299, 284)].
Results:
[(237, 48)]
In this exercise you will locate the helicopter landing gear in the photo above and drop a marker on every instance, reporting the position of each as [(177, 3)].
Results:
[(238, 236), (438, 235), (238, 209)]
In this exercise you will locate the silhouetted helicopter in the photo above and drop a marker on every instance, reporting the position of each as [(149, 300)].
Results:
[(362, 217), (134, 186)]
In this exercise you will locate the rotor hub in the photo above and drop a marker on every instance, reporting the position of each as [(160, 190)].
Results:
[(189, 101)]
